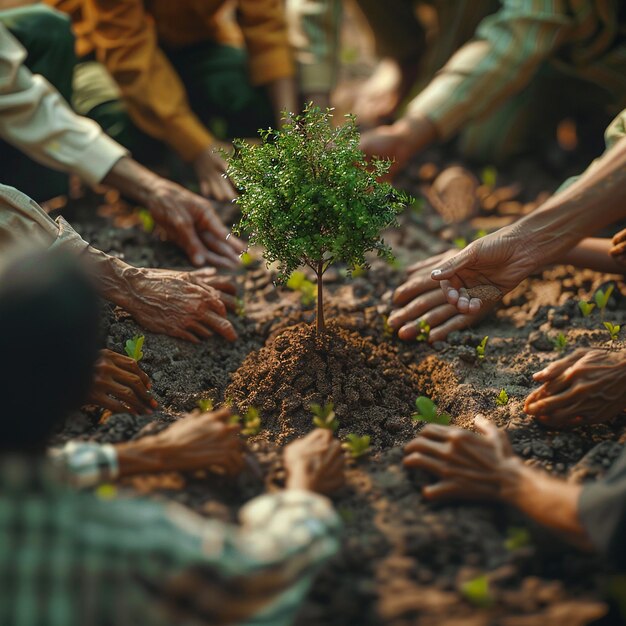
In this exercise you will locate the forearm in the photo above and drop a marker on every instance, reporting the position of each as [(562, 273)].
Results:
[(131, 179), (593, 253), (594, 201), (140, 457), (551, 502)]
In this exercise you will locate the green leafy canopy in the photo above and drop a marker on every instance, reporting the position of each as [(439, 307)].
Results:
[(308, 195)]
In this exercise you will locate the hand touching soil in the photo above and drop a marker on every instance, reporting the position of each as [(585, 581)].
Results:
[(469, 466), (420, 299), (586, 387), (191, 222), (194, 442), (618, 249), (315, 462), (120, 385), (211, 169), (188, 305)]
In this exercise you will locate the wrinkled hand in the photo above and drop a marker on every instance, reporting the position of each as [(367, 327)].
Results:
[(618, 249), (192, 223), (469, 466), (188, 305), (120, 385), (315, 462), (421, 299), (198, 442), (585, 387), (486, 270), (211, 169)]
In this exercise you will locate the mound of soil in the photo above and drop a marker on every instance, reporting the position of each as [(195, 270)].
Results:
[(373, 392)]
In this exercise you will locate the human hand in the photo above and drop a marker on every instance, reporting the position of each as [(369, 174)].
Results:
[(420, 298), (315, 462), (469, 466), (585, 387), (120, 385), (486, 270), (618, 249), (211, 169), (191, 222), (188, 305)]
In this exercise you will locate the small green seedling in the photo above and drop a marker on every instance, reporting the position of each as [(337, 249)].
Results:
[(517, 537), (146, 219), (247, 259), (477, 592), (489, 176), (424, 328), (205, 404), (307, 288), (586, 307), (356, 446), (133, 347), (601, 298), (560, 342), (480, 348), (387, 329), (460, 242), (480, 233), (427, 412), (324, 416), (502, 399), (251, 422), (613, 329)]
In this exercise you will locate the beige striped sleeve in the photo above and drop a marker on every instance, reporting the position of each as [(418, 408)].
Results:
[(502, 58)]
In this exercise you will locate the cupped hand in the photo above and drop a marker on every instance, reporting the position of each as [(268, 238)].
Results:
[(191, 222), (469, 466), (315, 462), (420, 299), (120, 385), (203, 441), (585, 387), (211, 170), (486, 270), (188, 305)]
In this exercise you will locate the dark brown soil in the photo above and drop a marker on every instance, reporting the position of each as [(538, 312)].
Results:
[(373, 392)]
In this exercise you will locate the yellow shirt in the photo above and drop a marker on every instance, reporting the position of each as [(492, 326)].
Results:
[(125, 35)]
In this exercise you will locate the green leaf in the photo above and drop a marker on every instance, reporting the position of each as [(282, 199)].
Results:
[(460, 242), (517, 537), (424, 333), (502, 398), (602, 297), (205, 404), (147, 221), (427, 412), (613, 329), (324, 416), (356, 445), (477, 592), (480, 348), (560, 342), (133, 347), (247, 259), (489, 176), (251, 422), (586, 307)]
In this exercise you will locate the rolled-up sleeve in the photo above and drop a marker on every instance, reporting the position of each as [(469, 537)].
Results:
[(36, 120), (85, 463), (507, 50)]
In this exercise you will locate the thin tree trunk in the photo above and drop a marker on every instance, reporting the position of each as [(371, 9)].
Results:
[(320, 326)]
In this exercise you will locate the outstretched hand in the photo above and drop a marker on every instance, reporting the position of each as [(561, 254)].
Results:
[(486, 270), (211, 169), (469, 466), (188, 305), (585, 387), (420, 299), (191, 222)]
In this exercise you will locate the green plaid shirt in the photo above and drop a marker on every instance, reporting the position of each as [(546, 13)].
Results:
[(72, 558), (586, 38)]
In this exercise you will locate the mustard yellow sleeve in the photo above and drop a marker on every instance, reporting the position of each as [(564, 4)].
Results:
[(265, 32), (125, 40)]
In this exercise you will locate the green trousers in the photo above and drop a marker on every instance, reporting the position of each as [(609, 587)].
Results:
[(219, 91), (47, 36)]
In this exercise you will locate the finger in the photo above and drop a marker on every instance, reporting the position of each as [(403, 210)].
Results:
[(188, 240), (131, 366), (183, 334), (448, 269), (415, 286), (230, 302), (220, 325), (486, 428), (458, 322), (111, 404), (450, 290), (127, 395), (426, 263), (220, 246), (458, 490), (416, 308), (221, 283), (549, 405), (432, 431), (138, 387), (199, 330), (216, 258), (556, 368)]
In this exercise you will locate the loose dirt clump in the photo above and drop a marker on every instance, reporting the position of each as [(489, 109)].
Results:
[(372, 390)]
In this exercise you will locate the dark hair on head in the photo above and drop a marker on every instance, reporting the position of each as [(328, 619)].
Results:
[(49, 315)]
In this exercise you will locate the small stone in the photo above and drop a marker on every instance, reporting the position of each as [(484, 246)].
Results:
[(540, 341)]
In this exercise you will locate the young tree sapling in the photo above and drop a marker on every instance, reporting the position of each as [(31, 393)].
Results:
[(310, 198)]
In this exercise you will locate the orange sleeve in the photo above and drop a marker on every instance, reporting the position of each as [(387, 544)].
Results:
[(265, 32), (125, 40)]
